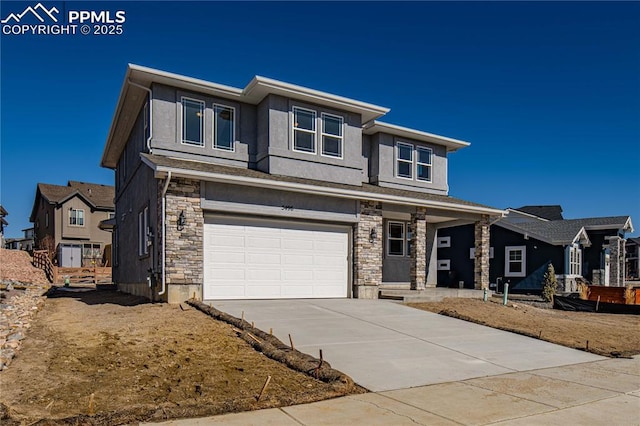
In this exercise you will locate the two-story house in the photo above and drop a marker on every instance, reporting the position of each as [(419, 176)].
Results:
[(66, 221), (25, 243), (274, 191)]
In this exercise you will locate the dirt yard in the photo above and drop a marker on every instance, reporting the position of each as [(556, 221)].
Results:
[(106, 358), (603, 334)]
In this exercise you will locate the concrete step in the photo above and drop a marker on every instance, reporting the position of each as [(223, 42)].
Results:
[(429, 295)]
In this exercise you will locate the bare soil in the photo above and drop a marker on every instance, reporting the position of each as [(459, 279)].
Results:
[(604, 334), (102, 357)]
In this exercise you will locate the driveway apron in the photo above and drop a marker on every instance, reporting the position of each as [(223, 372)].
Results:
[(385, 345)]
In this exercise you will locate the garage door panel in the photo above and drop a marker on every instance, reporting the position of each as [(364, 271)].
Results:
[(261, 259)]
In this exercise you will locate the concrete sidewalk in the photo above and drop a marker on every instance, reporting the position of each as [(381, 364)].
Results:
[(385, 346), (595, 393)]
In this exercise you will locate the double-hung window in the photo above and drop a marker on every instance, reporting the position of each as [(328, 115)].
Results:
[(76, 217), (332, 140), (515, 261), (404, 160), (223, 127), (192, 122), (143, 232), (423, 163), (304, 130), (398, 240)]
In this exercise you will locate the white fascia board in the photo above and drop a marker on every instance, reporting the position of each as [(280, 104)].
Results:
[(380, 127), (582, 238), (161, 172), (259, 87), (627, 226)]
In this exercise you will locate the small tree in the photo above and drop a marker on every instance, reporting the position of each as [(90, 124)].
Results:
[(550, 284)]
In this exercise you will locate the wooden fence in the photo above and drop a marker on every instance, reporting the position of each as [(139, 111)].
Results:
[(59, 275), (624, 295)]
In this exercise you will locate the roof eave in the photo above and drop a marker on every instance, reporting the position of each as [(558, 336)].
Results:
[(162, 172), (451, 144)]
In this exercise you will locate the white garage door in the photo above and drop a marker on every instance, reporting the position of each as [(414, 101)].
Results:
[(269, 259)]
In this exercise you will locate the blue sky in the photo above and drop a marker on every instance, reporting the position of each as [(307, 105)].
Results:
[(548, 93)]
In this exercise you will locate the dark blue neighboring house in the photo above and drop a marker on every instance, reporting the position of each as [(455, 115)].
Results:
[(527, 239)]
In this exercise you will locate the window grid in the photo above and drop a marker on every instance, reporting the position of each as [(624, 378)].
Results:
[(76, 217), (575, 260), (515, 261)]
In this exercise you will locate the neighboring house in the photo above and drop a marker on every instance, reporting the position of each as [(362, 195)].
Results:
[(66, 219), (528, 238), (633, 254), (3, 223), (274, 191), (25, 243)]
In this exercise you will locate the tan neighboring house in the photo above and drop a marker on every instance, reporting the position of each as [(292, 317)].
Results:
[(66, 220)]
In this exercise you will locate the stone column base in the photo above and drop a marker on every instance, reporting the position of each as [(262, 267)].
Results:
[(365, 292)]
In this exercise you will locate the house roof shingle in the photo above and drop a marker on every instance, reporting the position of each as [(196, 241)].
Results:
[(97, 195), (561, 232), (551, 212), (198, 166)]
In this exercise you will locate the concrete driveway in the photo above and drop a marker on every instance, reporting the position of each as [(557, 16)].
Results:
[(386, 346)]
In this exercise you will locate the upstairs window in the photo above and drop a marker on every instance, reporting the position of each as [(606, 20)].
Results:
[(76, 217), (404, 160), (223, 127), (423, 164), (192, 122), (332, 140), (304, 130)]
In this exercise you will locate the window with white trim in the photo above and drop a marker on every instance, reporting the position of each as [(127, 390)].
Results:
[(304, 130), (404, 160), (444, 242), (224, 127), (76, 217), (192, 122), (396, 238), (575, 260), (332, 140), (515, 264), (423, 163), (143, 232)]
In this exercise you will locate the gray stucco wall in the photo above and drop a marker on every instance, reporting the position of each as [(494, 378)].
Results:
[(167, 128), (383, 166), (244, 200)]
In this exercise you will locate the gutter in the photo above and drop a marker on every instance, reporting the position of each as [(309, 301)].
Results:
[(164, 233), (150, 112)]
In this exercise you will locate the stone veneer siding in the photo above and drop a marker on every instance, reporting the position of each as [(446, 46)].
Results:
[(367, 254), (616, 261), (184, 248), (481, 263), (418, 269)]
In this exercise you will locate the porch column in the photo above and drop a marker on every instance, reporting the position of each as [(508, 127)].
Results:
[(616, 261), (367, 244), (418, 269), (481, 263)]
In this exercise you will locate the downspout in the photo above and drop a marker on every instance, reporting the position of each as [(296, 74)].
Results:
[(150, 112), (164, 232)]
